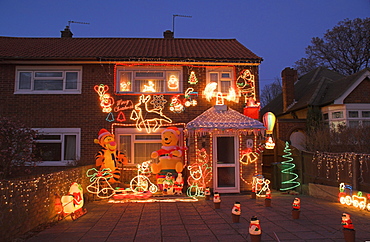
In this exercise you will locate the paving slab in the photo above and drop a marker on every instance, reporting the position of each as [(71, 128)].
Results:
[(319, 220)]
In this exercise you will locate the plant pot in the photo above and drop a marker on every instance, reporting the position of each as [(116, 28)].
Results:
[(267, 202), (235, 218), (217, 205), (255, 238), (295, 214), (253, 195), (349, 235)]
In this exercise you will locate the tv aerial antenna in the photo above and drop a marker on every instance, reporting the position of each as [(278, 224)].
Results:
[(173, 20), (75, 22)]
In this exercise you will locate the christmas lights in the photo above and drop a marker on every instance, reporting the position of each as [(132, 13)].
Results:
[(141, 182), (269, 122), (173, 83), (288, 167), (260, 185), (149, 88), (246, 85), (123, 105), (200, 174), (158, 102), (99, 182), (358, 200), (153, 118), (73, 202), (193, 78)]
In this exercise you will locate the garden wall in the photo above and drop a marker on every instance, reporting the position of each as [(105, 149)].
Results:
[(26, 204)]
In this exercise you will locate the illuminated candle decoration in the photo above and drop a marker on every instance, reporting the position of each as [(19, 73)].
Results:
[(149, 88), (288, 168), (99, 182), (357, 200), (173, 83), (269, 122), (219, 99), (158, 101), (150, 119), (73, 202), (200, 174), (193, 78)]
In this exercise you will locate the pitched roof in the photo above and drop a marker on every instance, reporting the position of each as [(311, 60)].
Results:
[(317, 88), (223, 119), (125, 48)]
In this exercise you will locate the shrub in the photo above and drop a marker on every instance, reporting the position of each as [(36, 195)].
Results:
[(16, 146)]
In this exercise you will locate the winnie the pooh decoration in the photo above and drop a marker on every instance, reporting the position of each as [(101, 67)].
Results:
[(170, 156), (109, 156)]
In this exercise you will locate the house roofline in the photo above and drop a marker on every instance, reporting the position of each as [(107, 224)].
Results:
[(340, 100)]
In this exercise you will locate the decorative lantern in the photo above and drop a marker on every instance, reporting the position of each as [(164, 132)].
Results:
[(269, 120)]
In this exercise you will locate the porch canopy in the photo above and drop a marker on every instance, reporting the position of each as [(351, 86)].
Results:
[(222, 119)]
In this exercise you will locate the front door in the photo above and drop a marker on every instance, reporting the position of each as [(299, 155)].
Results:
[(225, 164)]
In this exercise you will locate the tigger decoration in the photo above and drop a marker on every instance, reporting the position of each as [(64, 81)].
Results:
[(109, 156)]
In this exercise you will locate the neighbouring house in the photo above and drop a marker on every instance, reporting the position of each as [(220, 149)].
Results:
[(70, 88), (339, 99)]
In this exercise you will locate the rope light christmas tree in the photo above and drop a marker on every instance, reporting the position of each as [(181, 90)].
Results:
[(288, 168)]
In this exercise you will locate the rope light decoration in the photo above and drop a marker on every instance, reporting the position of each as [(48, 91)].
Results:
[(290, 183)]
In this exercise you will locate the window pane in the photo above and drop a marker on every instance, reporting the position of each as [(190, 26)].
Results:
[(366, 114), (337, 115), (353, 114), (214, 77), (49, 151), (48, 137), (143, 151), (48, 85), (225, 75), (149, 85), (70, 147), (148, 137), (365, 123), (125, 82), (149, 74), (353, 124), (225, 86), (25, 80), (227, 144), (125, 146), (71, 80), (226, 176), (49, 74)]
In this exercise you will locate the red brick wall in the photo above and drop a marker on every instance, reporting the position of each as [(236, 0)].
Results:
[(360, 94), (285, 127)]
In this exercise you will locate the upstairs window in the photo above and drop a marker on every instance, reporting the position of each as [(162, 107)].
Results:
[(223, 78), (48, 80), (149, 80)]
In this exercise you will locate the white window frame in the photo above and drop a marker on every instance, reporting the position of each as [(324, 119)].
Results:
[(62, 132), (34, 69), (133, 70), (219, 72), (132, 132)]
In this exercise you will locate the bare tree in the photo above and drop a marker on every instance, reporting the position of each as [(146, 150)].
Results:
[(270, 91), (344, 49)]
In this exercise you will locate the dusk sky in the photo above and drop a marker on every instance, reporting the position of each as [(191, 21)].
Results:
[(276, 30)]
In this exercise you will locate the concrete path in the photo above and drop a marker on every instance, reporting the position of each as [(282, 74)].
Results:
[(198, 221)]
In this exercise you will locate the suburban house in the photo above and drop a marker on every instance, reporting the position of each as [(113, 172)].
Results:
[(341, 100), (70, 88)]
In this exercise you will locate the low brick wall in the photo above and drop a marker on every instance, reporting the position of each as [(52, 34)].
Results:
[(25, 204)]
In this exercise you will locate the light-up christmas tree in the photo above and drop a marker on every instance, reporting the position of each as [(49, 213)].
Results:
[(287, 170)]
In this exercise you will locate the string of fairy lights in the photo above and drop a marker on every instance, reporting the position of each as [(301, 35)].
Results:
[(24, 193), (341, 162)]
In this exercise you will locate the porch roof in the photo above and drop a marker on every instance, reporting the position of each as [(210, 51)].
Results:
[(224, 119)]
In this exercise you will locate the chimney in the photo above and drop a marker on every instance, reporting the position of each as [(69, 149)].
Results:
[(168, 34), (66, 33), (289, 77)]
